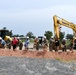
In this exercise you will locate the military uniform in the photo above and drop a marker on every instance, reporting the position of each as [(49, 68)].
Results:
[(51, 44), (45, 42), (20, 45), (36, 43), (56, 44), (64, 45)]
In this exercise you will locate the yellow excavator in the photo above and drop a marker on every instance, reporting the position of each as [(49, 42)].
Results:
[(4, 34), (60, 21), (57, 24)]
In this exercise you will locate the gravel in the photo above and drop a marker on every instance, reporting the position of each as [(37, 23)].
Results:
[(35, 66)]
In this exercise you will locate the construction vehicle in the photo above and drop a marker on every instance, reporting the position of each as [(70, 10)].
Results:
[(57, 24), (60, 21), (5, 32), (5, 35)]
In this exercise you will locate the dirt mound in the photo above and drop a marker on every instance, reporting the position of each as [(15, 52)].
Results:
[(39, 54)]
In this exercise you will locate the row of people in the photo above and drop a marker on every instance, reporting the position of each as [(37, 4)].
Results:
[(56, 44), (43, 43), (15, 42)]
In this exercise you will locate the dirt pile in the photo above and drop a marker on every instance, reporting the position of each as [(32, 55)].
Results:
[(39, 54)]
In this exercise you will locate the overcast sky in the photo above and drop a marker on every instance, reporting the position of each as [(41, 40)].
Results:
[(22, 16)]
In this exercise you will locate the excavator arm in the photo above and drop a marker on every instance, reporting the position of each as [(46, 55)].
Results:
[(60, 21)]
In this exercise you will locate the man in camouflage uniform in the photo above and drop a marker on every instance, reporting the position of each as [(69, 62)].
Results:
[(57, 43), (45, 44), (64, 45), (36, 43), (20, 43), (51, 44)]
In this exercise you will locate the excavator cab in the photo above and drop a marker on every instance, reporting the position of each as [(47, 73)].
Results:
[(5, 32)]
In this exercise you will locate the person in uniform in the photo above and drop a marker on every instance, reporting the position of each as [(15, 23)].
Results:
[(51, 44), (56, 44), (2, 43), (71, 45), (36, 43), (20, 43), (45, 44), (26, 43), (64, 45)]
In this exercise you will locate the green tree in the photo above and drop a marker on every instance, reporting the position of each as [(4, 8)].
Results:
[(48, 34), (61, 35), (30, 34), (69, 36), (21, 35), (16, 35)]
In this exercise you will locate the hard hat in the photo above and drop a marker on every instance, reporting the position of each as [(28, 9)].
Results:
[(0, 38), (45, 37), (51, 36), (27, 37), (18, 37), (64, 39)]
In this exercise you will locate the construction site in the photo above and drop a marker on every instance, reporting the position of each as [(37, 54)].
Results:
[(38, 57), (39, 50), (37, 37)]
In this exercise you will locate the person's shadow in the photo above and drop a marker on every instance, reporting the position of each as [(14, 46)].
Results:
[(24, 51), (41, 53)]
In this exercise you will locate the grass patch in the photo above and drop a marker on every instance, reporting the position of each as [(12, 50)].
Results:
[(65, 61)]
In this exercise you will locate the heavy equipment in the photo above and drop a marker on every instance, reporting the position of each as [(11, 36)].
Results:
[(60, 21), (4, 33)]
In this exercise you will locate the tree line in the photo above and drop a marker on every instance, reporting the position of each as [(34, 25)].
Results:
[(48, 35)]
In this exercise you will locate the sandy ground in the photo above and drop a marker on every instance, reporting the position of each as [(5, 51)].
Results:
[(33, 62), (32, 53)]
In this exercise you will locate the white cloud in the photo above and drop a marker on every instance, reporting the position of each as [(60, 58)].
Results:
[(38, 17)]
